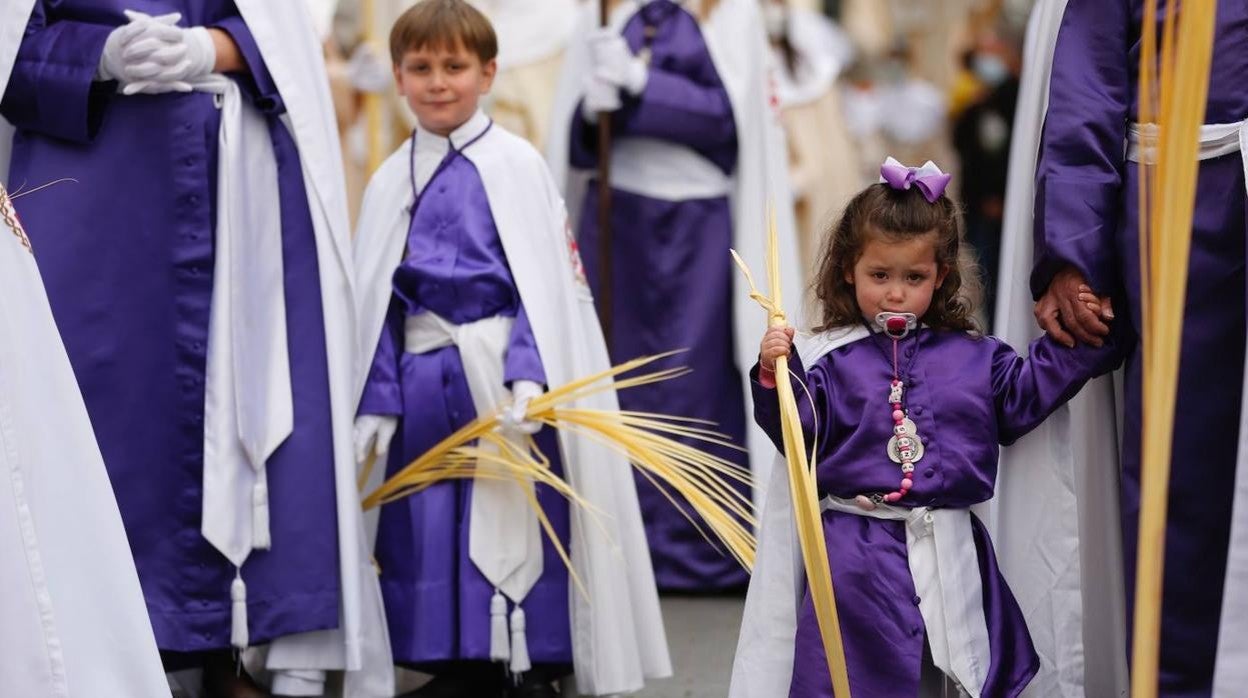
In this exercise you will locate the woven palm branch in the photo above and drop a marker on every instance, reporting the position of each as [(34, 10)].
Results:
[(709, 484)]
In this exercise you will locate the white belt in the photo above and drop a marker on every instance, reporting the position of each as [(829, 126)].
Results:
[(1216, 140), (504, 537), (940, 548), (666, 171), (248, 408)]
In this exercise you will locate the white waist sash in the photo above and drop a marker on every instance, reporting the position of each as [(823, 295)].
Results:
[(662, 170), (940, 548), (248, 408), (504, 537), (1216, 140)]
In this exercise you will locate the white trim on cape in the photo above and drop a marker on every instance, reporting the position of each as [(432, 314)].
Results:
[(738, 47), (763, 667), (617, 634), (1054, 517), (293, 56)]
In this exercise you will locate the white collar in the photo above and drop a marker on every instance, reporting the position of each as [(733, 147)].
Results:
[(468, 131)]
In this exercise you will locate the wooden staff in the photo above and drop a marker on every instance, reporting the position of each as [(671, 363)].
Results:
[(373, 104), (604, 204)]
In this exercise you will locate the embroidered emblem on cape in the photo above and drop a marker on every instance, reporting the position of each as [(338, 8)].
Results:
[(9, 215), (574, 256)]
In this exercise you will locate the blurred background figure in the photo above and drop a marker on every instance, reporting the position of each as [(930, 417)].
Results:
[(981, 136), (810, 52)]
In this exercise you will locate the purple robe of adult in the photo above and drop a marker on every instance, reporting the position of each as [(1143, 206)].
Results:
[(671, 274), (965, 395), (1086, 216), (129, 274), (437, 601)]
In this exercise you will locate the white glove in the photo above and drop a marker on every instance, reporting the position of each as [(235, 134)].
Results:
[(600, 96), (513, 417), (112, 63), (164, 57), (613, 62), (373, 432), (368, 71)]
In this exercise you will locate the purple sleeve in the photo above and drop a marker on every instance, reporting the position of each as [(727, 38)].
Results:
[(52, 89), (383, 391), (767, 401), (259, 82), (1081, 160), (523, 362), (1026, 391), (672, 108)]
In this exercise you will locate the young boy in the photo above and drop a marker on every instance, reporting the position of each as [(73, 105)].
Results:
[(469, 278)]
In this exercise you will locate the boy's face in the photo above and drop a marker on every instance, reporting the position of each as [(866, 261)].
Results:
[(442, 85)]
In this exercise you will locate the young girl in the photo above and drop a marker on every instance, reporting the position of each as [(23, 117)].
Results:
[(907, 407)]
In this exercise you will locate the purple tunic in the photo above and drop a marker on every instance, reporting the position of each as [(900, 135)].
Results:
[(437, 601), (965, 395), (127, 257), (1086, 215), (672, 283)]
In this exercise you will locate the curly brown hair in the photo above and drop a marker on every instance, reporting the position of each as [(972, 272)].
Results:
[(881, 212)]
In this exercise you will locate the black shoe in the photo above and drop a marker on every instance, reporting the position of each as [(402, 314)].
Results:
[(458, 687), (534, 686)]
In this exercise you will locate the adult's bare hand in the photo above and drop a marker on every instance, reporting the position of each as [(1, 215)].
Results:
[(1069, 310)]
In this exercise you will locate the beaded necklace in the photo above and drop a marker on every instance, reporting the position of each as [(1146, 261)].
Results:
[(905, 447)]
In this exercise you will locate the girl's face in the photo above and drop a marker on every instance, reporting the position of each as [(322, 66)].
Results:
[(443, 86), (897, 276)]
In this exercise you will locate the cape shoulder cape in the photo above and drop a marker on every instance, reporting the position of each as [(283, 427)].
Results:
[(617, 633)]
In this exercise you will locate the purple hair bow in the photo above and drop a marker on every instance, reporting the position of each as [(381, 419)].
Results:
[(928, 178)]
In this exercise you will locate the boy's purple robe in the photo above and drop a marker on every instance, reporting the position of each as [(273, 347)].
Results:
[(129, 274), (966, 395), (671, 275), (437, 601), (1086, 216)]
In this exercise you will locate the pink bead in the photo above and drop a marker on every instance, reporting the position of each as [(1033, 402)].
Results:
[(907, 484), (892, 496), (898, 415), (864, 502)]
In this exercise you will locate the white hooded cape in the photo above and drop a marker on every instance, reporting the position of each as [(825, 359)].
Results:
[(617, 633), (738, 47), (1055, 519), (74, 621), (289, 44)]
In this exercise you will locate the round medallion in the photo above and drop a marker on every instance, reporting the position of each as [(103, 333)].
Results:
[(912, 439)]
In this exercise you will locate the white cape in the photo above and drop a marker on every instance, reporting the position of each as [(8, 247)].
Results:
[(74, 621), (738, 47), (289, 44), (617, 633), (1055, 519)]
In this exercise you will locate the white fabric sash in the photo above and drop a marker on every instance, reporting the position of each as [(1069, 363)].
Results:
[(1216, 140), (660, 170), (248, 408), (504, 538), (940, 548)]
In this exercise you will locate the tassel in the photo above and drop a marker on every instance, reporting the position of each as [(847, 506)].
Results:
[(519, 643), (238, 612), (499, 649), (260, 537)]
